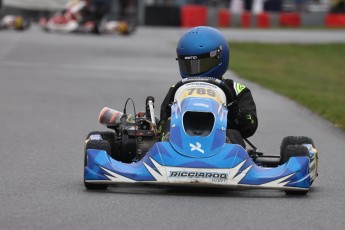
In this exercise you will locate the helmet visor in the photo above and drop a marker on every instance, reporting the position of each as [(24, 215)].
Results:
[(197, 64)]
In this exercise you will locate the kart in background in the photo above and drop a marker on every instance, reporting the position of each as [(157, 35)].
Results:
[(196, 152), (70, 20), (14, 22)]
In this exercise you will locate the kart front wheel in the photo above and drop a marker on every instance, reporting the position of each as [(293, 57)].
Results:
[(95, 186), (95, 144), (296, 193)]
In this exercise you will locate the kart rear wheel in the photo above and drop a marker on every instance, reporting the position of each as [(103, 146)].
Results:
[(293, 140), (295, 151), (107, 136), (95, 144)]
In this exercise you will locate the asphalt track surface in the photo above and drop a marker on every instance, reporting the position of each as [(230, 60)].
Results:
[(52, 87)]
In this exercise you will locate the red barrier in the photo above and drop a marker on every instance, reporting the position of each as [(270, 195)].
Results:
[(335, 20), (290, 19), (246, 20), (263, 20), (193, 15), (224, 18)]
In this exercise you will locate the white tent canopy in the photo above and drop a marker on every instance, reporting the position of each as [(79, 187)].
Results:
[(36, 4)]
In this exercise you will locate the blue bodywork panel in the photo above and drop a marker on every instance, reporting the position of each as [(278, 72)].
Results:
[(232, 162)]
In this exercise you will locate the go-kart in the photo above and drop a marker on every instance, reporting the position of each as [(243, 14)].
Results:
[(71, 20), (196, 152)]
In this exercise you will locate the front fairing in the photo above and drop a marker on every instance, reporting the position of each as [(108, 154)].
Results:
[(198, 98), (231, 167), (198, 146)]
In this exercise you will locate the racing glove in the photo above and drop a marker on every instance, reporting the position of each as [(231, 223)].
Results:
[(243, 121), (234, 114)]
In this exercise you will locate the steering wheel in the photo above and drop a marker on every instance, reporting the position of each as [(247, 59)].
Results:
[(211, 80)]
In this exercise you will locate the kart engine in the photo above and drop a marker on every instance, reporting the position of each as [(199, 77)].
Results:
[(134, 136)]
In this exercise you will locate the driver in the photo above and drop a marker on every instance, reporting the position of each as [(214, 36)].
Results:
[(204, 52)]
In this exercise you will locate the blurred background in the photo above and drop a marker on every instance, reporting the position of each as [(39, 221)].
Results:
[(224, 13)]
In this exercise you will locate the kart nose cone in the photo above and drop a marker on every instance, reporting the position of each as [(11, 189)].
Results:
[(195, 136)]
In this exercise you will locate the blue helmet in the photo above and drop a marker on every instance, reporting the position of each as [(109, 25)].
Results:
[(203, 51)]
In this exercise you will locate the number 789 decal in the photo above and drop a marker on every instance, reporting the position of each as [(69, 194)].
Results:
[(201, 91)]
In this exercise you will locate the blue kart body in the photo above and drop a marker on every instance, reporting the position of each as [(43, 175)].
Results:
[(200, 160)]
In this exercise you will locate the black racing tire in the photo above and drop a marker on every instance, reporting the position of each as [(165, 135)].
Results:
[(295, 151), (296, 192), (293, 140), (108, 136), (235, 137), (95, 144), (292, 147)]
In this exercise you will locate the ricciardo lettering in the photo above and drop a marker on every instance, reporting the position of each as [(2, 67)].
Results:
[(188, 174)]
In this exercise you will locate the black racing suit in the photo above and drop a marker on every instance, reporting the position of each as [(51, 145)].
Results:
[(241, 116)]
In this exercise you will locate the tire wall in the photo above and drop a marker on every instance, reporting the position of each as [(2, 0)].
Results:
[(197, 15)]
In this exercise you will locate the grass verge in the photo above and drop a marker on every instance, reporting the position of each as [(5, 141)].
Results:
[(313, 75)]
